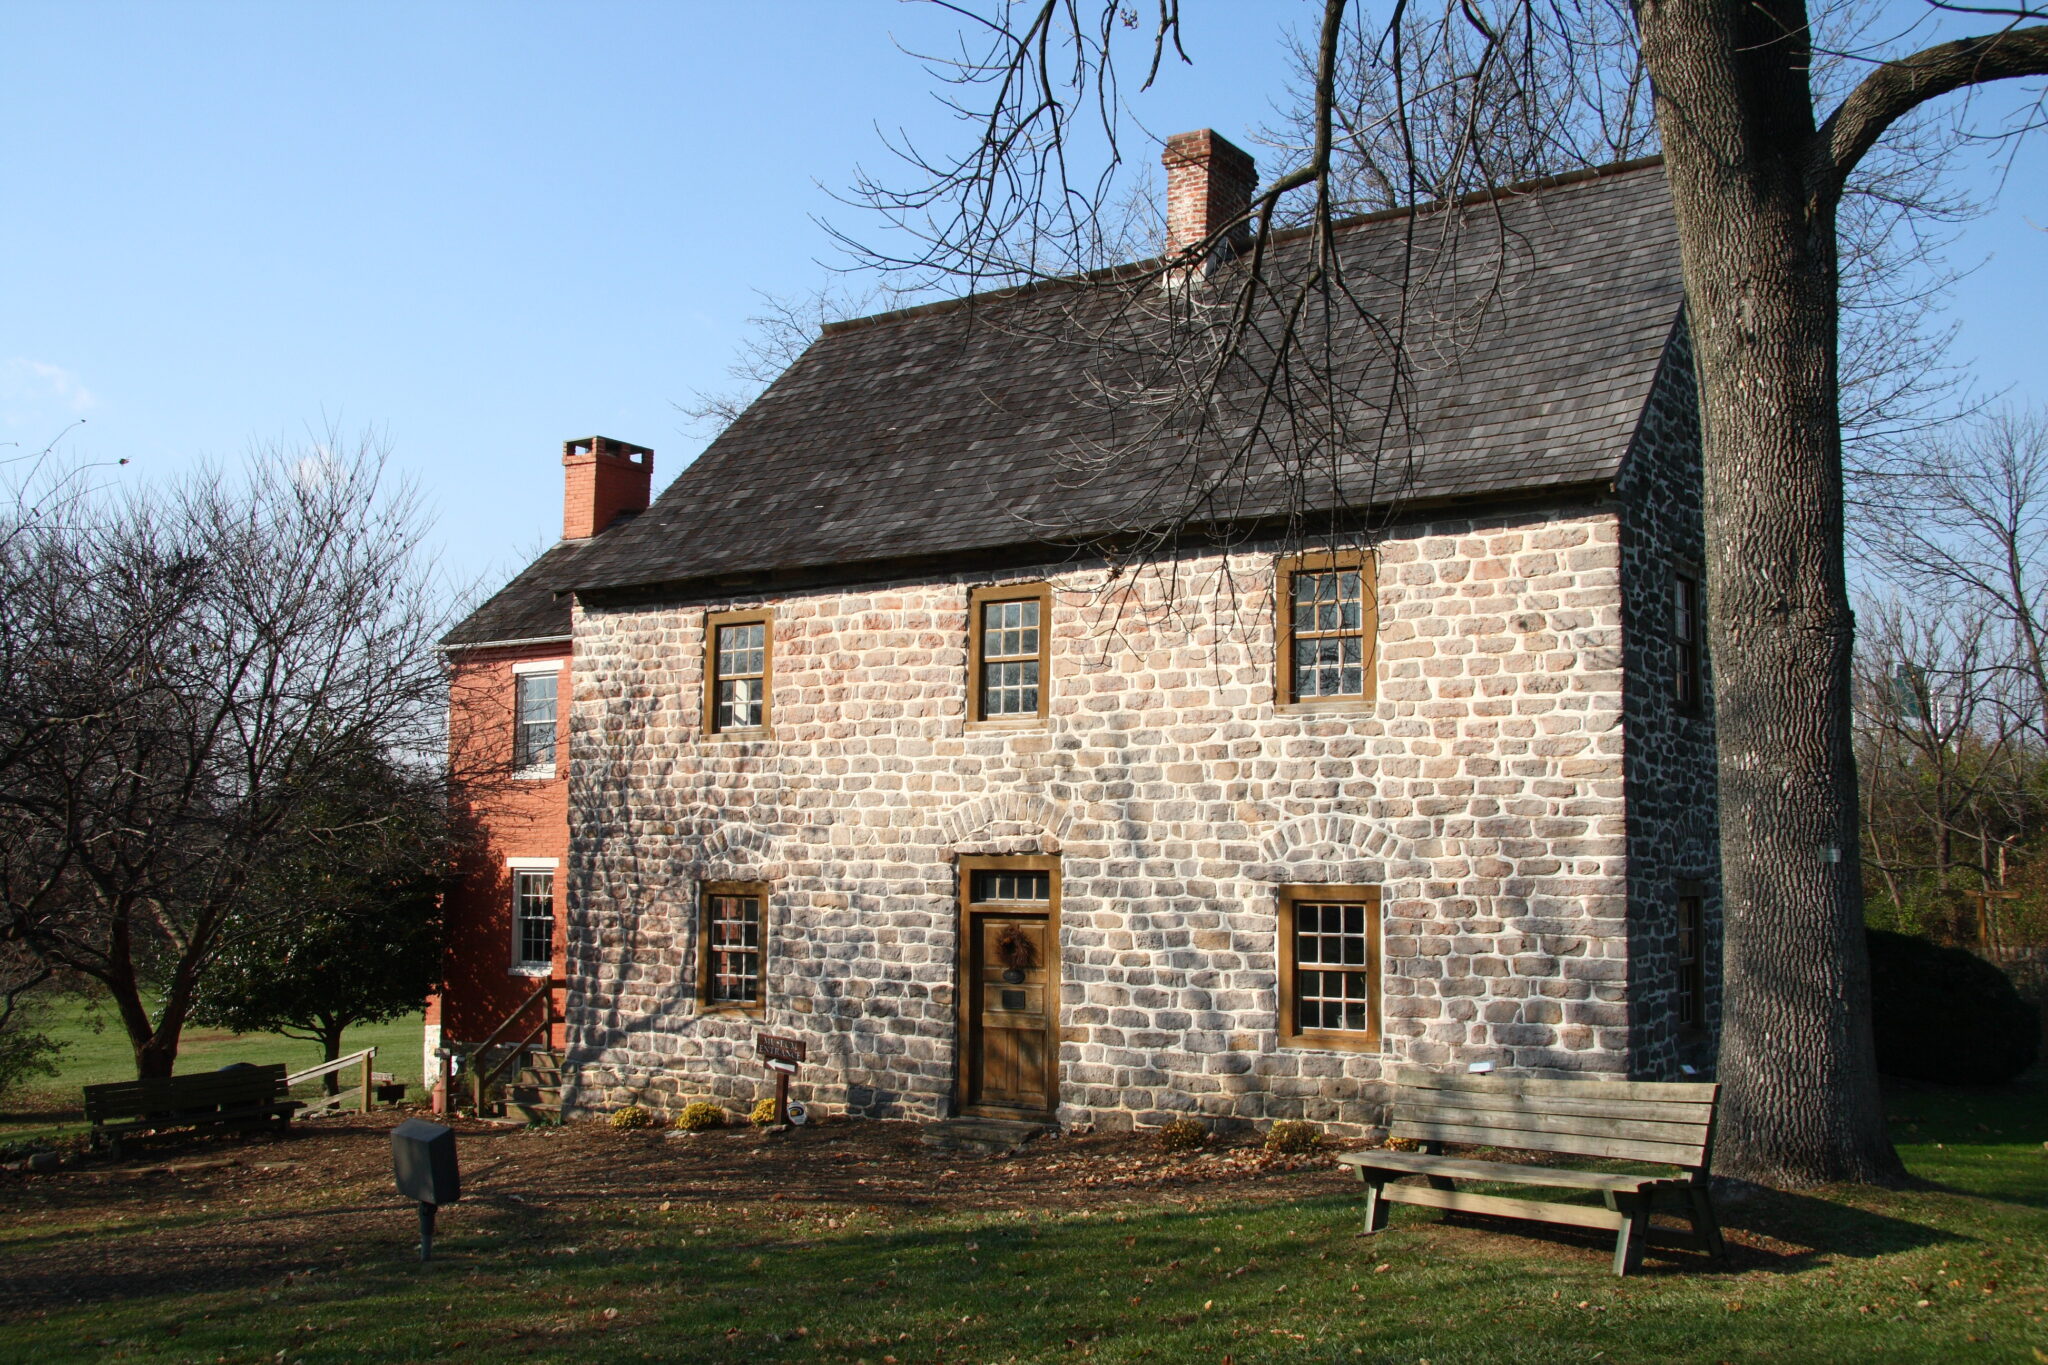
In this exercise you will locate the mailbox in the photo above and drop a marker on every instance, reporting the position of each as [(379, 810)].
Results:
[(423, 1160)]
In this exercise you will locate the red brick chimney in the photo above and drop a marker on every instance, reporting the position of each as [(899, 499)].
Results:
[(602, 478), (1209, 181)]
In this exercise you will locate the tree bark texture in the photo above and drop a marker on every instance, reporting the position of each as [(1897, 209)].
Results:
[(1754, 196)]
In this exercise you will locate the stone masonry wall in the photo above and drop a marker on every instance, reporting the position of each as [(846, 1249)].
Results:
[(1483, 792), (1673, 833)]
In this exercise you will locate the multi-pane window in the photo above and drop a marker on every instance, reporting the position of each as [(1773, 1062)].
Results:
[(1328, 619), (1692, 1005), (1330, 963), (737, 698), (1007, 651), (1011, 886), (533, 919), (1689, 642), (732, 945), (533, 728)]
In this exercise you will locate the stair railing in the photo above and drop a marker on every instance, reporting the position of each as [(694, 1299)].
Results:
[(328, 1104), (482, 1077)]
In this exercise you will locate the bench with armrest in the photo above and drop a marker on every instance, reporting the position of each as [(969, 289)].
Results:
[(1664, 1124), (239, 1097)]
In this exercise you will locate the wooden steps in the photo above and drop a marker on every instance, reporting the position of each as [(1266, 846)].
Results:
[(535, 1093)]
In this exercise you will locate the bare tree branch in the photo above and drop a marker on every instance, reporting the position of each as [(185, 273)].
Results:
[(1899, 86)]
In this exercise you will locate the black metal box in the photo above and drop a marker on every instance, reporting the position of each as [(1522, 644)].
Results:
[(423, 1160)]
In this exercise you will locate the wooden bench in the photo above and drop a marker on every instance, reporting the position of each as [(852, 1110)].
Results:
[(237, 1097), (1670, 1125)]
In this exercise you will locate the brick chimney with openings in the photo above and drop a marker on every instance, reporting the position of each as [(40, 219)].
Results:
[(601, 480), (1209, 182)]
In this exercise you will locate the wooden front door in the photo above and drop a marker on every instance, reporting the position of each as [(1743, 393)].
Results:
[(1010, 986)]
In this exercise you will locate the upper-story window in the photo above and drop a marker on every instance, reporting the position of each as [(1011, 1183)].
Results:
[(533, 720), (1329, 621), (738, 670), (1009, 652), (1689, 642)]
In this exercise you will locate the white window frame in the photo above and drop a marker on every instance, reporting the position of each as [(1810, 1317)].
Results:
[(526, 668), (515, 866)]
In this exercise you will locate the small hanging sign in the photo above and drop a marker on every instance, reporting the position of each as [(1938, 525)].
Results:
[(782, 1056)]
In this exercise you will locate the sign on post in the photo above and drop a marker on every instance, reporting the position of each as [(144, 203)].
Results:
[(782, 1056), (423, 1164)]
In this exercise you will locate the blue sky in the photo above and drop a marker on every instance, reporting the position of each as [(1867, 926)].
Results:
[(483, 229)]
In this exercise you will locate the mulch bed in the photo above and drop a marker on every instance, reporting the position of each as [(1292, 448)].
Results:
[(183, 1215)]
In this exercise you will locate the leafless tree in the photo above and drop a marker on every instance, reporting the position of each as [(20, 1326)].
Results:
[(1759, 160), (1578, 96), (181, 668), (1942, 765), (1962, 516), (776, 336)]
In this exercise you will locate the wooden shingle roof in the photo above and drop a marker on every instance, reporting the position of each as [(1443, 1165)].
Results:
[(954, 430)]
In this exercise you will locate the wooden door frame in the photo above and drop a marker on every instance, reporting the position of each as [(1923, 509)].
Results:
[(967, 997)]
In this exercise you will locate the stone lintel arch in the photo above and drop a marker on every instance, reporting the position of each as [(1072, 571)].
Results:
[(1330, 847), (1005, 822), (738, 852)]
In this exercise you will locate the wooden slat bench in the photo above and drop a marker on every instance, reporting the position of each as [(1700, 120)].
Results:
[(1666, 1124), (237, 1097)]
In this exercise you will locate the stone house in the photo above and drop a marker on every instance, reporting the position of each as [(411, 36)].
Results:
[(859, 752)]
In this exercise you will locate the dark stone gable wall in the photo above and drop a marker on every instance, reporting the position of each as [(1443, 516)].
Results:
[(1483, 793), (1673, 836)]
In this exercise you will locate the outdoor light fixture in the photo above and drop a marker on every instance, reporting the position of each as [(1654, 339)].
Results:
[(1480, 1068), (423, 1163)]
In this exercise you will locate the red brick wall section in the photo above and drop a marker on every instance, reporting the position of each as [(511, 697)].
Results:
[(1209, 181), (600, 479), (516, 817)]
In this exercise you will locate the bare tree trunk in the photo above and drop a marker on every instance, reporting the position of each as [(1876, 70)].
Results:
[(1757, 237), (331, 1030)]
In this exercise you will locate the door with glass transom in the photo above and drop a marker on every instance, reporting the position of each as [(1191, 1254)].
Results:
[(1009, 987)]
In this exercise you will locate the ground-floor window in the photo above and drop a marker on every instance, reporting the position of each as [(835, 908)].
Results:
[(1330, 966), (735, 932), (533, 919), (1692, 976)]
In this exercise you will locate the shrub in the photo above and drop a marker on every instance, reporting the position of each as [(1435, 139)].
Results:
[(700, 1116), (25, 1050), (1946, 1015), (632, 1116), (1182, 1135), (762, 1114), (1293, 1137)]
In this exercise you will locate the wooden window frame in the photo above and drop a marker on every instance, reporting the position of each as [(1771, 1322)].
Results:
[(544, 768), (705, 1004), (1690, 976), (964, 966), (979, 598), (516, 869), (1689, 649), (1325, 561), (1330, 1040), (713, 623)]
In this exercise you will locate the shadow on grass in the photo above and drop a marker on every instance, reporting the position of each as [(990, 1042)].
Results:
[(1772, 1231)]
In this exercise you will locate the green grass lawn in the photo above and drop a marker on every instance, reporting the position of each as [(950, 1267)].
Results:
[(574, 1256), (97, 1050)]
